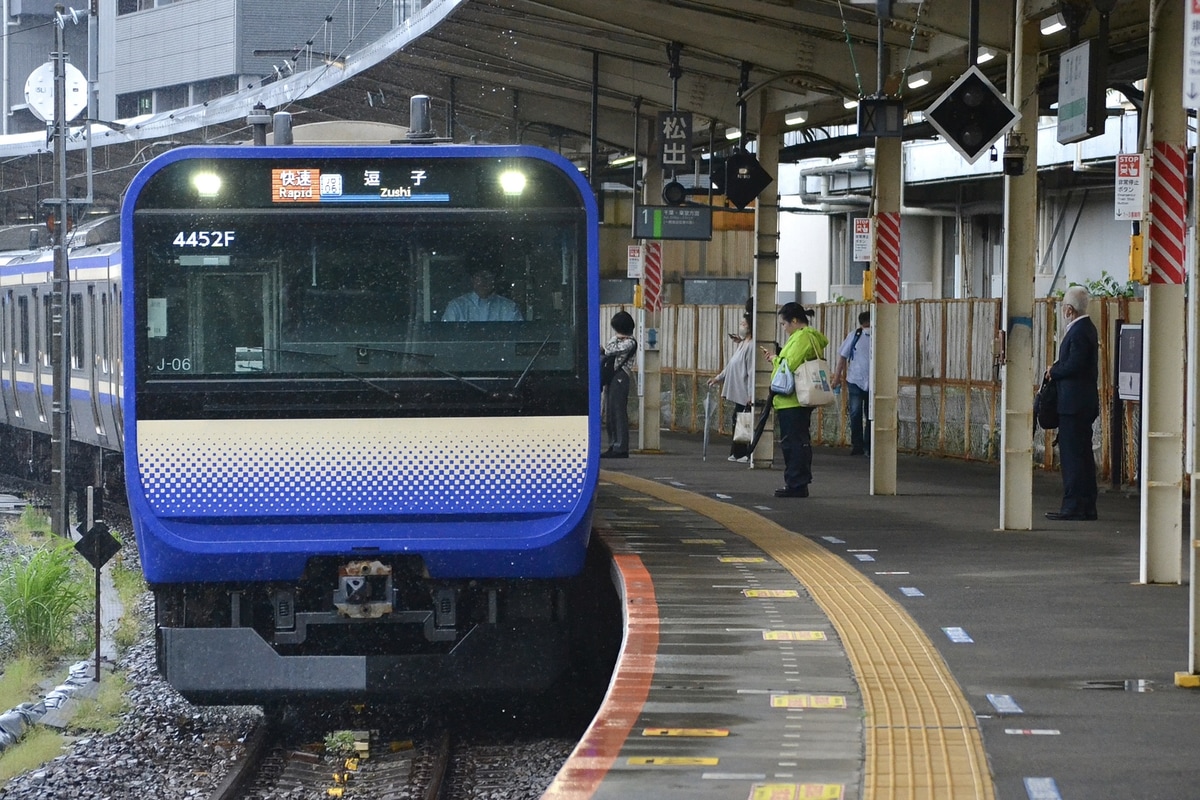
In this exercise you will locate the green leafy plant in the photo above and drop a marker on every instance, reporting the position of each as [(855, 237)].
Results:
[(1109, 286), (41, 599)]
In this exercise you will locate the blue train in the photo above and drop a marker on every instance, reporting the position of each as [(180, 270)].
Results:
[(358, 411)]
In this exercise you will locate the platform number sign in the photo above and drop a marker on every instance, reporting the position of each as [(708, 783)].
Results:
[(1130, 187), (674, 139)]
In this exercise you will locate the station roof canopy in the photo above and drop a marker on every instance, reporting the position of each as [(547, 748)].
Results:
[(540, 71)]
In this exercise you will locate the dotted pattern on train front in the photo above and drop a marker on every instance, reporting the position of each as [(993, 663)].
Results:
[(334, 467)]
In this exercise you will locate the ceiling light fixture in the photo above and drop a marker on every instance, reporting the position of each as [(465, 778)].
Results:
[(849, 102), (1053, 24), (732, 133), (984, 55), (796, 118), (919, 79)]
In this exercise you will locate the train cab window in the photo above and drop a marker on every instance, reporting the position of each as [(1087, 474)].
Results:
[(23, 328), (355, 302), (77, 331)]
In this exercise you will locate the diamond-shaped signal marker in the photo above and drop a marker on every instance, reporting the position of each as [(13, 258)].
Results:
[(972, 114)]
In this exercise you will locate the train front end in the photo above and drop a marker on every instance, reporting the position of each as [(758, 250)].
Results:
[(354, 467)]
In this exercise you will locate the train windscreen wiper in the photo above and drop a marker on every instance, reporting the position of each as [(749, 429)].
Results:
[(529, 366), (327, 360), (427, 359)]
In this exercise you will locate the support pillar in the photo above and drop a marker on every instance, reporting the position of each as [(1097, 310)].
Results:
[(649, 385), (1162, 368), (1191, 678), (1020, 246), (885, 326), (766, 274)]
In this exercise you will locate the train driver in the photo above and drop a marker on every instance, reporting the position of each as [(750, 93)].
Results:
[(481, 304)]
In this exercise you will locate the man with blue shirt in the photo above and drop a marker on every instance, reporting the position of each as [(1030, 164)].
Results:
[(854, 370), (481, 304)]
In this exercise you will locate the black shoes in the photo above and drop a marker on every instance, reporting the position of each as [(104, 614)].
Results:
[(1072, 517), (613, 454), (801, 491)]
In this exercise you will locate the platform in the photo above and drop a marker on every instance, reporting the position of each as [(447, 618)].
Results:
[(957, 661)]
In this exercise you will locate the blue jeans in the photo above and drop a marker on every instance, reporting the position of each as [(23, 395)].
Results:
[(860, 422)]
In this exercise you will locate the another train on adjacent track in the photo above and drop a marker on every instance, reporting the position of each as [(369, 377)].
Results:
[(341, 484)]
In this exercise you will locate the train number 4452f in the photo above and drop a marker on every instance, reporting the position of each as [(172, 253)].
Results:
[(360, 414)]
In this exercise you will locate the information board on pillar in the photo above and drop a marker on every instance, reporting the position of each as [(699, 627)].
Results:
[(1128, 194), (862, 239)]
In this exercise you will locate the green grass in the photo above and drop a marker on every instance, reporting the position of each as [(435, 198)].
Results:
[(42, 599), (103, 712), (35, 749), (32, 527), (129, 585), (19, 681)]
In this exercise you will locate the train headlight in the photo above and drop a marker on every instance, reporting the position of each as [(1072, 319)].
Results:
[(512, 182), (207, 184)]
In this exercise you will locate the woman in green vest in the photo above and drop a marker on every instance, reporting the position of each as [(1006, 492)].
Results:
[(792, 420)]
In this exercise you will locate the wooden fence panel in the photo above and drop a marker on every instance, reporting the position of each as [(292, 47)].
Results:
[(949, 403)]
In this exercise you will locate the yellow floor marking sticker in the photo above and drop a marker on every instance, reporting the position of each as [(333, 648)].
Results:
[(808, 701), (741, 560), (770, 592), (797, 791), (665, 508), (673, 761), (702, 541), (684, 732), (794, 636)]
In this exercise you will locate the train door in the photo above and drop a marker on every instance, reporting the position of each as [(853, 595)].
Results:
[(91, 361), (42, 363), (6, 354), (20, 338), (232, 315)]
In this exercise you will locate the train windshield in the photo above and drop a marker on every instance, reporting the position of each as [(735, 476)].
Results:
[(431, 287)]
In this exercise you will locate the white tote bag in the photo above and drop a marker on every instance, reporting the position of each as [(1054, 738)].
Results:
[(743, 429), (812, 384)]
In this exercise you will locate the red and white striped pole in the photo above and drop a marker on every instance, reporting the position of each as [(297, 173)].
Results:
[(887, 257)]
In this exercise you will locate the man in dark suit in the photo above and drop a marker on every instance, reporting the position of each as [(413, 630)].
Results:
[(1075, 372)]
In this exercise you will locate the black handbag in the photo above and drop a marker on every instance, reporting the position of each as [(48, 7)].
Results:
[(1045, 405), (608, 365)]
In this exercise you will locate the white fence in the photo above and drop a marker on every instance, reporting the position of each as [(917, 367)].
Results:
[(949, 401)]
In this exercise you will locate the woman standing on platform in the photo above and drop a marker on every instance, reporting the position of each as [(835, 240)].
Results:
[(792, 420), (737, 381), (621, 347)]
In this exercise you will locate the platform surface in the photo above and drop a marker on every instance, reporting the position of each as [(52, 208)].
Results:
[(958, 660)]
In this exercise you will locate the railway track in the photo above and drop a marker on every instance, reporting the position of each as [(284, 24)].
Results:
[(280, 763)]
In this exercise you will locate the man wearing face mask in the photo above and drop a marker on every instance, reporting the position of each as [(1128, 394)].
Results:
[(738, 382), (1075, 373)]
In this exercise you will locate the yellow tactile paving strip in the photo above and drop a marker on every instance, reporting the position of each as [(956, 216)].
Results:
[(922, 740)]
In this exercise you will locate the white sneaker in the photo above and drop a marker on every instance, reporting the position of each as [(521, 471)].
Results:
[(732, 458), (744, 460)]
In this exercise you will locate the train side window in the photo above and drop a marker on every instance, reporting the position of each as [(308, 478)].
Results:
[(23, 335), (5, 303), (77, 329)]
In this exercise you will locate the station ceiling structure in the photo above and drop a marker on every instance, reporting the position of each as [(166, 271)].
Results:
[(587, 77)]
